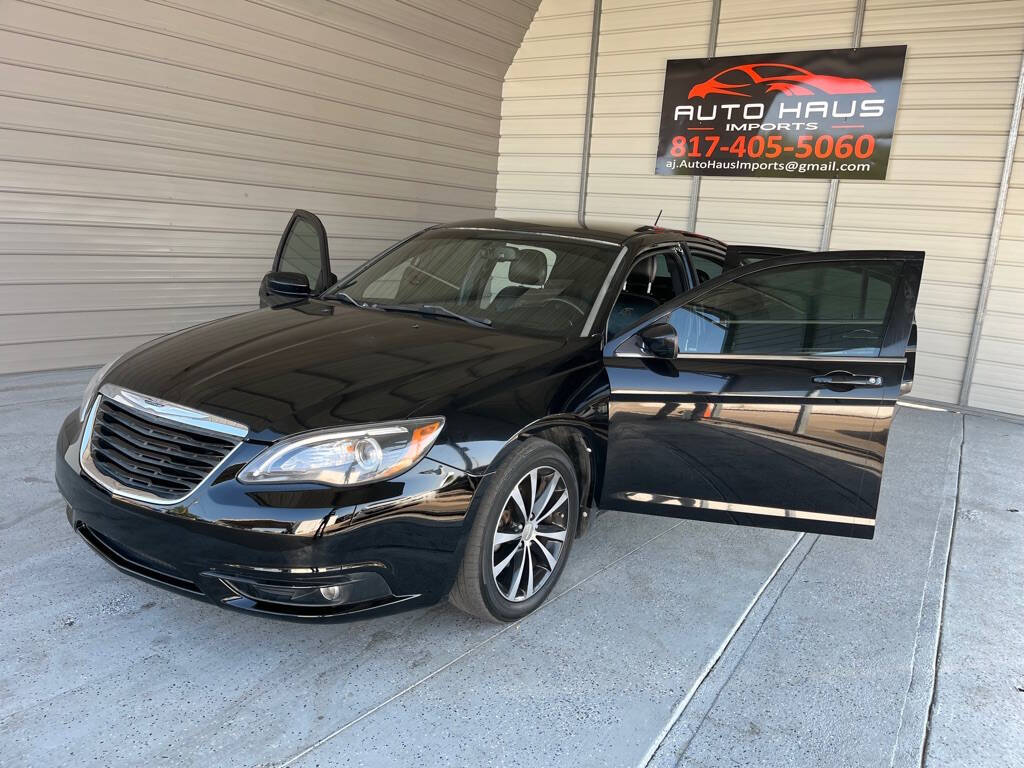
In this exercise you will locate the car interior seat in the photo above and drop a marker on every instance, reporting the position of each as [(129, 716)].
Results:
[(528, 270), (635, 301)]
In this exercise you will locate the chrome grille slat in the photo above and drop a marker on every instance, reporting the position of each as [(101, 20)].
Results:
[(138, 480), (151, 457), (157, 431), (129, 459), (146, 446)]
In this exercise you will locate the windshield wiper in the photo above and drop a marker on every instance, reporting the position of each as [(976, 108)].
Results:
[(342, 296), (481, 322), (433, 309)]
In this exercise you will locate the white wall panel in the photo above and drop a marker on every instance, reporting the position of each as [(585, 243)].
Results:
[(151, 152), (940, 194)]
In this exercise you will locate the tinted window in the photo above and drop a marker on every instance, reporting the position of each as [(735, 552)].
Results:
[(432, 270), (529, 284), (707, 258), (667, 282), (651, 282), (807, 309), (301, 251), (501, 278), (706, 267)]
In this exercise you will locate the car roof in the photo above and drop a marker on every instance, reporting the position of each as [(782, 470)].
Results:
[(613, 234)]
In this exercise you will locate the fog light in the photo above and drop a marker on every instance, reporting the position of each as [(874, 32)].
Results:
[(349, 588), (331, 594)]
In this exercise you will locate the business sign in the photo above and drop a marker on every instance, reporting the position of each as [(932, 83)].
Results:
[(809, 115)]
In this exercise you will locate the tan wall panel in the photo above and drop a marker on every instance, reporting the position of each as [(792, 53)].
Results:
[(150, 153), (111, 78), (168, 146), (355, 198), (997, 386), (175, 293), (85, 326), (285, 31), (287, 64), (998, 380)]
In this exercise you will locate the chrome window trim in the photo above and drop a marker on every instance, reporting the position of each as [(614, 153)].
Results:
[(161, 411), (781, 358), (529, 233), (596, 306), (759, 398)]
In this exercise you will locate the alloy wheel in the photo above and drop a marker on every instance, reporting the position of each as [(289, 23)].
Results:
[(530, 534)]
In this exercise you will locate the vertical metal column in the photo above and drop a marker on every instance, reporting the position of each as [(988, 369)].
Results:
[(993, 240), (716, 13), (588, 119), (833, 185)]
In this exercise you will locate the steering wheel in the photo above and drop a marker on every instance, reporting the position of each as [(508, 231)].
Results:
[(572, 304)]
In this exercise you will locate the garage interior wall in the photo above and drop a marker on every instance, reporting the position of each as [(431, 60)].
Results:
[(940, 195), (151, 152)]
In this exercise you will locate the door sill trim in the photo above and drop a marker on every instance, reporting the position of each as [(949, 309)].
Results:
[(747, 509), (769, 358)]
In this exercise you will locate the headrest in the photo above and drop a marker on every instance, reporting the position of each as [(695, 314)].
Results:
[(530, 267), (641, 276)]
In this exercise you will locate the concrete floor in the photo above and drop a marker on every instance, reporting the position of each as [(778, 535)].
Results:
[(669, 643)]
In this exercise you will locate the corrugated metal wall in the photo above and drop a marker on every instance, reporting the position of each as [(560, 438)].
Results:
[(998, 382), (940, 194), (151, 152)]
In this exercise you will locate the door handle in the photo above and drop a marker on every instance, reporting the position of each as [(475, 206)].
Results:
[(845, 380)]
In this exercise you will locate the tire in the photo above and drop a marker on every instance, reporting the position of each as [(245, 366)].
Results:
[(498, 516)]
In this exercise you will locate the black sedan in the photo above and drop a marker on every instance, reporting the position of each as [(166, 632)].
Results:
[(447, 419)]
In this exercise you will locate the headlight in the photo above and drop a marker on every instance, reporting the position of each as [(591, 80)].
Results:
[(345, 456), (93, 387)]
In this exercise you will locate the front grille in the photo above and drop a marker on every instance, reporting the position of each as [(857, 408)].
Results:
[(164, 461)]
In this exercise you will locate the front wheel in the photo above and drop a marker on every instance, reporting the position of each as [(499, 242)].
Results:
[(524, 524)]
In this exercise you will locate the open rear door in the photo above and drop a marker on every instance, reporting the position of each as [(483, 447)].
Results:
[(764, 397)]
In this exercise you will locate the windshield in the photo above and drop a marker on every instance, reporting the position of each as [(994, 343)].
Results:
[(520, 283)]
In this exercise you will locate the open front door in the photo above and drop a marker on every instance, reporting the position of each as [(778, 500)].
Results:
[(302, 254), (764, 397)]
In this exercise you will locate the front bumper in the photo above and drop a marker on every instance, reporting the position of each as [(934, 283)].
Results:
[(385, 546)]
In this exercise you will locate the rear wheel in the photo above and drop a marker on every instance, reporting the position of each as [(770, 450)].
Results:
[(524, 524)]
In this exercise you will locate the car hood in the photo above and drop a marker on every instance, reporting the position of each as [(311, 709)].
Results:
[(318, 364)]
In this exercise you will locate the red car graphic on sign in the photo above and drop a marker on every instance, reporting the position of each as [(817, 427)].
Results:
[(756, 79)]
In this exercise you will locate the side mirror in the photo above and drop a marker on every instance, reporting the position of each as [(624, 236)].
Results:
[(659, 340), (291, 284)]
